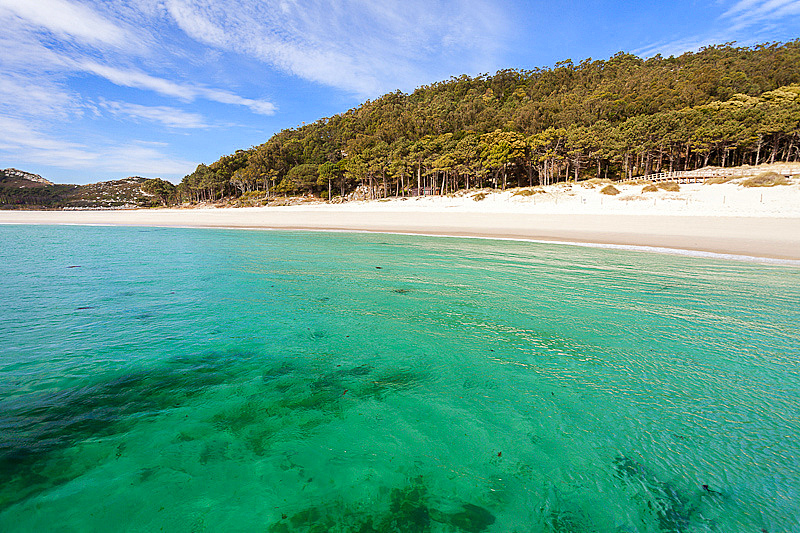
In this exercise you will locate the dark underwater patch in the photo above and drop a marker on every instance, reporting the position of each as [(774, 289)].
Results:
[(673, 511), (409, 510), (35, 432)]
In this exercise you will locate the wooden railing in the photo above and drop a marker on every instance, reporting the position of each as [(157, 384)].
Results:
[(702, 174)]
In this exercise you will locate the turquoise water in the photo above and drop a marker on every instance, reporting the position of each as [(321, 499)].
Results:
[(213, 380)]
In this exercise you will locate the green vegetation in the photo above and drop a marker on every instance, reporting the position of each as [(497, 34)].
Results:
[(766, 179), (615, 118), (163, 190)]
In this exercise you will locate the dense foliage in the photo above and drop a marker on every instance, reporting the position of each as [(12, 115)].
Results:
[(54, 196), (624, 116)]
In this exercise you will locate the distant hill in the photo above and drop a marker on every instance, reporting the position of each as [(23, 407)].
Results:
[(11, 177), (25, 190)]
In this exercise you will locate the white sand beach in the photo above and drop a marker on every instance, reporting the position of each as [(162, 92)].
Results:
[(726, 218)]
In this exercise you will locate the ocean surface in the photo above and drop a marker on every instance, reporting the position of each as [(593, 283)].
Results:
[(195, 380)]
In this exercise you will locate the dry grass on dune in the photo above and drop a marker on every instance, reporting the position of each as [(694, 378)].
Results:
[(766, 179), (669, 186), (591, 182), (650, 188), (528, 192), (610, 190)]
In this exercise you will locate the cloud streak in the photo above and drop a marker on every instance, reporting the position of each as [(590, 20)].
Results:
[(745, 13), (360, 46), (99, 45), (164, 115), (185, 92), (741, 23), (67, 19), (127, 158)]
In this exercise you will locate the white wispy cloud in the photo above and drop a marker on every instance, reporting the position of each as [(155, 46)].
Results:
[(67, 19), (129, 158), (748, 12), (170, 117), (741, 23), (101, 45), (144, 159), (357, 45), (139, 80), (21, 96), (186, 92), (678, 46)]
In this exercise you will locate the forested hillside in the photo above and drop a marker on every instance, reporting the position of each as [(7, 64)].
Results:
[(624, 116)]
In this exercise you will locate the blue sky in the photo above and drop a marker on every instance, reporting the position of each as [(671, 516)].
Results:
[(94, 90)]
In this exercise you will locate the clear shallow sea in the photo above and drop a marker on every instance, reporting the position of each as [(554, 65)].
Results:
[(215, 380)]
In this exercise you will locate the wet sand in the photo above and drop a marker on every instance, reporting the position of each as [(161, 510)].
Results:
[(763, 237)]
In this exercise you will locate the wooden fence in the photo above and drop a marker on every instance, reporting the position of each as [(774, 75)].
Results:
[(702, 174)]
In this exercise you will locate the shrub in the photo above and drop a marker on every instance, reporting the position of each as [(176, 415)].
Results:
[(670, 186), (650, 188), (609, 189), (480, 196), (767, 179), (528, 192)]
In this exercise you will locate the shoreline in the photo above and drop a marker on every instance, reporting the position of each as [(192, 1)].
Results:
[(776, 239)]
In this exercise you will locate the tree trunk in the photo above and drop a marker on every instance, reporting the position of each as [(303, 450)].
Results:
[(774, 151), (686, 161), (758, 150), (627, 165), (660, 157)]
